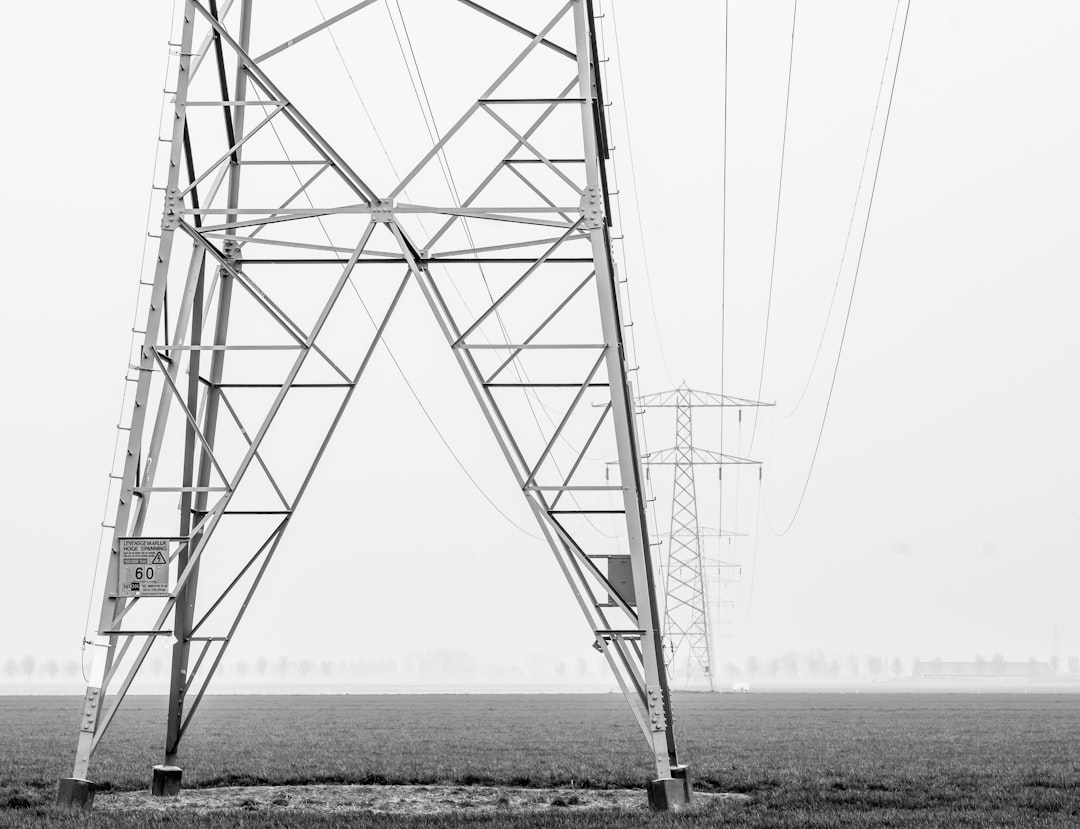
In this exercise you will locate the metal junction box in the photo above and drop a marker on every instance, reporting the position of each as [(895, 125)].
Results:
[(621, 576)]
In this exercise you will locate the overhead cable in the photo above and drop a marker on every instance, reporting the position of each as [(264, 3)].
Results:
[(637, 201), (723, 252), (851, 225), (858, 264), (386, 345), (424, 103), (776, 223)]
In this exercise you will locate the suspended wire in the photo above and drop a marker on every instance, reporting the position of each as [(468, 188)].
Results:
[(733, 540), (858, 264), (356, 90), (762, 495), (371, 121), (723, 218), (426, 112), (378, 135), (442, 437), (628, 330), (723, 289), (431, 125), (637, 201), (424, 103), (776, 223), (393, 359), (768, 314), (851, 225), (393, 169)]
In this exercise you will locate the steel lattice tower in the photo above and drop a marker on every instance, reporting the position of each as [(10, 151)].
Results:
[(687, 627), (252, 344), (686, 618)]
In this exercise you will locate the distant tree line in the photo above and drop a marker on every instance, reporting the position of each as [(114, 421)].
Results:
[(434, 664), (30, 669), (792, 666), (447, 664)]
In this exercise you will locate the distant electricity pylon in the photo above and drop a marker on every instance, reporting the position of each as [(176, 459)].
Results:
[(279, 263), (687, 618)]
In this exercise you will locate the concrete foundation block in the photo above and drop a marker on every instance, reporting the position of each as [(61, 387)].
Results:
[(683, 773), (668, 794), (75, 793), (166, 781)]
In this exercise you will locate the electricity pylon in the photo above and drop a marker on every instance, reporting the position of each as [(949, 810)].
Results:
[(279, 265), (687, 627)]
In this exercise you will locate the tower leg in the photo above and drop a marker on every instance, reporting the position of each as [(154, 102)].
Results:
[(166, 778), (656, 697)]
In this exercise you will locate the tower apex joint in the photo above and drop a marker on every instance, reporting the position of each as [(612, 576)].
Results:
[(382, 210)]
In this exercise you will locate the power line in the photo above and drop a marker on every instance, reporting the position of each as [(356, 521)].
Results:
[(858, 264), (427, 112), (450, 184), (434, 134), (723, 255), (637, 201), (386, 345), (851, 225), (356, 90), (757, 541), (723, 216), (432, 127), (776, 224), (442, 437)]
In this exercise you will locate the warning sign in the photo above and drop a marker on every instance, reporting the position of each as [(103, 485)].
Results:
[(144, 567)]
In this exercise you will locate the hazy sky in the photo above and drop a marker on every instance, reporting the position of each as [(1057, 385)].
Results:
[(943, 516)]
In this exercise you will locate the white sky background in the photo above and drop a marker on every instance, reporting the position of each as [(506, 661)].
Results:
[(944, 513)]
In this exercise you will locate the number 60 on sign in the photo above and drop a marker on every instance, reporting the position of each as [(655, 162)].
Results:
[(144, 567)]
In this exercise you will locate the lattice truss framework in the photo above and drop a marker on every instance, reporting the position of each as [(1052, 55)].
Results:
[(280, 263), (688, 628)]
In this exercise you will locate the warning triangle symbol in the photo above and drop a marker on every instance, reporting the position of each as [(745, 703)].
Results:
[(159, 559)]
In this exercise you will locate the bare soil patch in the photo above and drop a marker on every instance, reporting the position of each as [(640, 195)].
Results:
[(396, 800)]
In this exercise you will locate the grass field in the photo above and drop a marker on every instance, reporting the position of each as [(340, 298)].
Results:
[(813, 760)]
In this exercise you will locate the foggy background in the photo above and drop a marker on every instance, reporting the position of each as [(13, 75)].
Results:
[(943, 515)]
